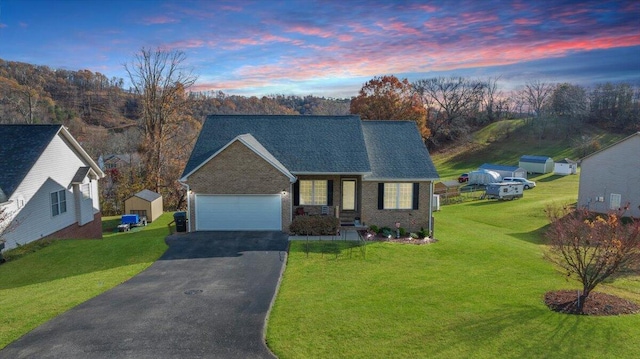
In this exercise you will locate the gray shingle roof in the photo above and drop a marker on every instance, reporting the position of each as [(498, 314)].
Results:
[(534, 159), (303, 144), (148, 195), (396, 151), (20, 148)]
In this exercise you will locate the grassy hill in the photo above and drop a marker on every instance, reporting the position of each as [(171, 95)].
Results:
[(503, 142)]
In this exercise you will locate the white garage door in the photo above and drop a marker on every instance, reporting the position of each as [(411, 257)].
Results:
[(238, 212)]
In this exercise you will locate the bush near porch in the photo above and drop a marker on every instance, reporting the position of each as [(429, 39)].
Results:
[(314, 225)]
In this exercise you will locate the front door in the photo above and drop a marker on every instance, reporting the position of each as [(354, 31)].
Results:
[(349, 194)]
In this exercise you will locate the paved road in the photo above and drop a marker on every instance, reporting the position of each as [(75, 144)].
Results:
[(207, 297)]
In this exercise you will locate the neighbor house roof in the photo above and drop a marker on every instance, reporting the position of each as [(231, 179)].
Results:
[(302, 144), (491, 166), (147, 195), (22, 145), (321, 145), (396, 151), (534, 159)]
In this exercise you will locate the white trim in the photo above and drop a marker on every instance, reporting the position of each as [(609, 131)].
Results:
[(251, 143), (400, 179), (297, 173)]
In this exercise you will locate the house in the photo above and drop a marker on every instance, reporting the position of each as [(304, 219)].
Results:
[(257, 172), (505, 171), (50, 185), (145, 203), (536, 164), (119, 161), (565, 167), (610, 178)]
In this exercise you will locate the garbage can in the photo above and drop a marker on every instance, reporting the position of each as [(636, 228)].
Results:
[(181, 221)]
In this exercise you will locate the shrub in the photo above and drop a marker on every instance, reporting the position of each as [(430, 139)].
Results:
[(314, 225), (403, 232), (423, 233), (413, 235), (373, 228)]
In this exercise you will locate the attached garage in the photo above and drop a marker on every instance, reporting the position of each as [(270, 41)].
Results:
[(238, 212)]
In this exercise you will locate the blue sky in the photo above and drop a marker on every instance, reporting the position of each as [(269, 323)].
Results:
[(330, 48)]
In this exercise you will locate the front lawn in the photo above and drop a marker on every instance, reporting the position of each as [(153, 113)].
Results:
[(477, 293), (36, 287)]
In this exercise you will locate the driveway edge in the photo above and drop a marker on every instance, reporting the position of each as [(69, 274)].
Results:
[(273, 300)]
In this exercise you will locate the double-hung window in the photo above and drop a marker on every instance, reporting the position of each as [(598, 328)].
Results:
[(398, 196), (313, 192), (58, 202)]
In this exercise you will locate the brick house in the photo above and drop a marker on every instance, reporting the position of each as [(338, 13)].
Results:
[(258, 172)]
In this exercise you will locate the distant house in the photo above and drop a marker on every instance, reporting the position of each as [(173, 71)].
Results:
[(565, 167), (144, 203), (119, 161), (257, 172), (610, 178), (505, 171), (49, 185), (536, 164)]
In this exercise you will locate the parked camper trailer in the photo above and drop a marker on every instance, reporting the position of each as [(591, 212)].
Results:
[(484, 177), (504, 190)]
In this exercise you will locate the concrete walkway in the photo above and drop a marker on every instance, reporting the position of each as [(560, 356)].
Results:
[(207, 297)]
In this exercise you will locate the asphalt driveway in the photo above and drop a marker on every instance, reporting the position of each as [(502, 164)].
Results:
[(207, 297)]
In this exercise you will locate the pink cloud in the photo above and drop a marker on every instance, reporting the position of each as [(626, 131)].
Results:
[(525, 21)]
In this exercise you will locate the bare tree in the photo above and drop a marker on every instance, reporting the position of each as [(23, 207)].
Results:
[(536, 93), (592, 247), (451, 103), (160, 78)]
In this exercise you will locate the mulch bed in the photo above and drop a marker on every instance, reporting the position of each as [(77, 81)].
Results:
[(407, 240), (565, 301)]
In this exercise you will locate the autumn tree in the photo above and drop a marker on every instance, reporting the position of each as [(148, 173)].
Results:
[(388, 98), (160, 79), (592, 247)]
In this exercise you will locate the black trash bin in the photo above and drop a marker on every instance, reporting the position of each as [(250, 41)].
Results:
[(181, 221)]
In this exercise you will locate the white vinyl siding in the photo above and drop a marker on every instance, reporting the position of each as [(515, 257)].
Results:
[(313, 192), (398, 195), (58, 202)]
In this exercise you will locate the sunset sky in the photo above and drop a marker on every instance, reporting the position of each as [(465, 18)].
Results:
[(330, 48)]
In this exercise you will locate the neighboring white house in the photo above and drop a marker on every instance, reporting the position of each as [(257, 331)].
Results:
[(565, 167), (536, 164), (50, 185), (610, 178)]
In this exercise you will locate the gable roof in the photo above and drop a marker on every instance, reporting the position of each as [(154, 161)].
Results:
[(567, 160), (302, 144), (147, 195), (534, 159), (21, 147), (320, 145), (396, 152), (613, 145)]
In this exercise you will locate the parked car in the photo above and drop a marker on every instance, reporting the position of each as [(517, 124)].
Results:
[(463, 178), (527, 184), (129, 221)]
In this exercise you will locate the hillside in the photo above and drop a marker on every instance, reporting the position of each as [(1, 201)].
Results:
[(503, 142)]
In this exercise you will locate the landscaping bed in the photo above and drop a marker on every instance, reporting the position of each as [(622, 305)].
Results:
[(565, 301)]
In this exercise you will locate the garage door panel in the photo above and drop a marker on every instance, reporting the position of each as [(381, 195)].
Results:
[(238, 212)]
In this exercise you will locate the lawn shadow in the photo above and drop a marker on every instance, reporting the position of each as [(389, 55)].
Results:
[(550, 178), (536, 236)]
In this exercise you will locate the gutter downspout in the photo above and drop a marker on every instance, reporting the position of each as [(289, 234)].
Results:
[(431, 208), (188, 205)]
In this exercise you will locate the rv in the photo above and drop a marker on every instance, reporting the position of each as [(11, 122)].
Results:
[(504, 190)]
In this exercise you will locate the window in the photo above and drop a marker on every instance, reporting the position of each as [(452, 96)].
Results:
[(86, 190), (614, 201), (58, 202), (398, 196), (313, 192)]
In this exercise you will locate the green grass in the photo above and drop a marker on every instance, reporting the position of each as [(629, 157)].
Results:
[(477, 293), (39, 285), (504, 142)]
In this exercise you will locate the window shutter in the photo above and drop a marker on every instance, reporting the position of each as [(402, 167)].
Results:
[(296, 193), (330, 193), (416, 195), (380, 195)]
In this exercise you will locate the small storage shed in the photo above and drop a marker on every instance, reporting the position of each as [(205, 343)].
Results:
[(144, 203), (447, 190), (565, 167), (484, 177), (505, 171), (536, 164)]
